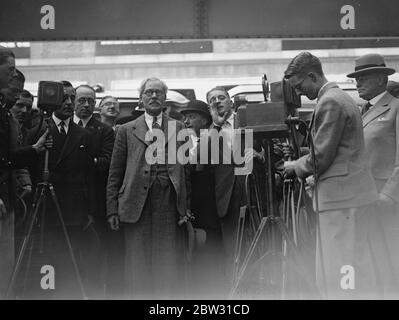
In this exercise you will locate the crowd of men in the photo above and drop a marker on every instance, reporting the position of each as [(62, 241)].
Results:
[(128, 206)]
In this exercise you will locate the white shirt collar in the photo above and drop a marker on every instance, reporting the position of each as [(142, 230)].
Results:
[(58, 121), (322, 87), (229, 120), (148, 119), (376, 98), (84, 121)]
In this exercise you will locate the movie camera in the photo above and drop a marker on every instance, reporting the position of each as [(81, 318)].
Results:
[(272, 117), (267, 238), (50, 96)]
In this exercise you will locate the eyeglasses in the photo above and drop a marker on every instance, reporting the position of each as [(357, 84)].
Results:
[(110, 104), (83, 100), (299, 84), (150, 92)]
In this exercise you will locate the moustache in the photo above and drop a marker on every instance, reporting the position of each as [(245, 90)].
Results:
[(155, 101)]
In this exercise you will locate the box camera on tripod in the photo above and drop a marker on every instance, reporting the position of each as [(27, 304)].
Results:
[(269, 118)]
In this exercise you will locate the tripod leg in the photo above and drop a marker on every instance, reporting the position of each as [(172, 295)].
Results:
[(249, 255), (28, 264), (42, 223), (240, 233), (68, 241), (297, 259), (26, 240)]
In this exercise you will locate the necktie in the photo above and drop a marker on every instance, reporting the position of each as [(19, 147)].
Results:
[(155, 124), (62, 128), (80, 123), (367, 107)]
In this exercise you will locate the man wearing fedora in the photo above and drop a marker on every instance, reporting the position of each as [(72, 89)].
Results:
[(380, 117)]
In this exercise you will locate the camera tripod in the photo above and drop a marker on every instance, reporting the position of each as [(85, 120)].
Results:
[(268, 228), (43, 190)]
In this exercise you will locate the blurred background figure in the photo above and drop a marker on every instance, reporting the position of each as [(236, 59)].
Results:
[(22, 110), (14, 89), (109, 110)]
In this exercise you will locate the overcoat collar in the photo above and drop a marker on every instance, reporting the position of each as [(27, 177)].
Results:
[(381, 107)]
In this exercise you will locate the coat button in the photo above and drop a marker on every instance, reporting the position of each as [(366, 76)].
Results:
[(145, 187)]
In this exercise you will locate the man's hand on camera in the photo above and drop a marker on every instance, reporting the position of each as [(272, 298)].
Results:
[(44, 142), (289, 169), (26, 191), (288, 151), (114, 222), (251, 154)]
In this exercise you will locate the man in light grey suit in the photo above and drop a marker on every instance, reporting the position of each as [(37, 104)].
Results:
[(345, 187), (381, 133), (149, 198)]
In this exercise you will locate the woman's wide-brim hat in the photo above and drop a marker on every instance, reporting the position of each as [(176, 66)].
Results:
[(372, 62)]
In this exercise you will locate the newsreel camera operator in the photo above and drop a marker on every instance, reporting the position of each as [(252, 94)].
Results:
[(65, 202), (12, 156), (344, 191)]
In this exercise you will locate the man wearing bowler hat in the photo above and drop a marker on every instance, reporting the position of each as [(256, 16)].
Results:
[(208, 260), (380, 117)]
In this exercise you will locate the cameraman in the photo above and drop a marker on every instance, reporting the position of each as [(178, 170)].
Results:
[(71, 176), (346, 190)]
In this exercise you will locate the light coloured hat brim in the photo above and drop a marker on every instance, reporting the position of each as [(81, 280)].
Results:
[(385, 70)]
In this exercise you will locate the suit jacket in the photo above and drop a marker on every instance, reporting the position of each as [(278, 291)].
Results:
[(71, 174), (227, 184), (343, 176), (101, 143), (129, 173), (381, 135), (101, 138)]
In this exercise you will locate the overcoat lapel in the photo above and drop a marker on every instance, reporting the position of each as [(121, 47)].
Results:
[(378, 110), (70, 142)]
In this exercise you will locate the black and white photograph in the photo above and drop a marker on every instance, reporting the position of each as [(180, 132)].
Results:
[(213, 151)]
